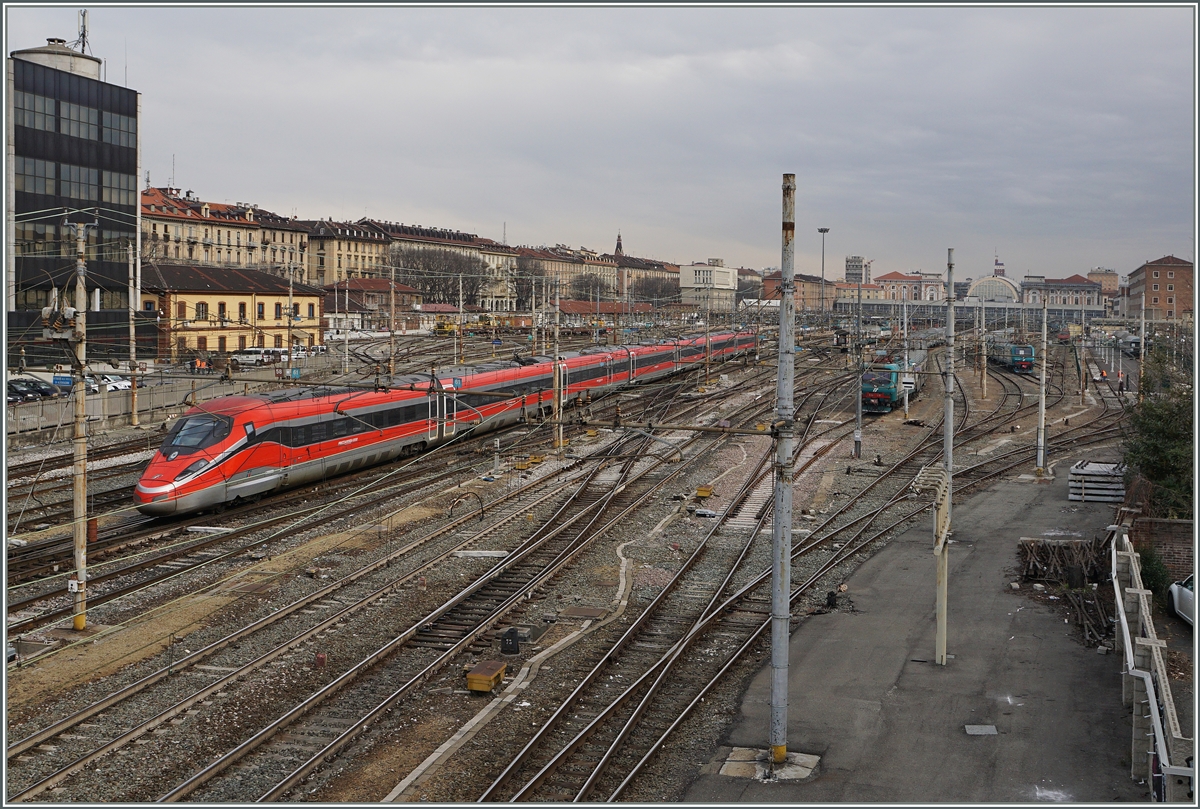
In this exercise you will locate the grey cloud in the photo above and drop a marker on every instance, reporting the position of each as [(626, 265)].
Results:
[(1061, 136)]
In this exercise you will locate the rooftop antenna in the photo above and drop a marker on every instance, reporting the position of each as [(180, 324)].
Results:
[(172, 171), (81, 44)]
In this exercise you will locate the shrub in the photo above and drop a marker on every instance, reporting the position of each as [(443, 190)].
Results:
[(1154, 573)]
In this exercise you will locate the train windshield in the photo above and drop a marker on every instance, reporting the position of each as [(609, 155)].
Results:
[(1023, 351), (877, 378), (196, 432)]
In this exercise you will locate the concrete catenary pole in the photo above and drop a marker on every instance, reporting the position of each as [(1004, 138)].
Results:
[(1142, 349), (134, 297), (392, 325), (781, 533), (558, 428), (943, 556), (823, 231), (858, 364), (1041, 428), (79, 471), (346, 336), (290, 320), (907, 367)]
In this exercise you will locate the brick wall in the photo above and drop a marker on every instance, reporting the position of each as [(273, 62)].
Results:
[(1174, 540)]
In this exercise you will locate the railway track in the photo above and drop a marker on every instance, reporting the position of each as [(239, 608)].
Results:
[(27, 748), (620, 734)]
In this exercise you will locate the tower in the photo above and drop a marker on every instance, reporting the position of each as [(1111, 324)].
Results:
[(620, 251)]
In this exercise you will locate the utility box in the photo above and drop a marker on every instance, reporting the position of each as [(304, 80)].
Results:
[(486, 676), (510, 641), (704, 491)]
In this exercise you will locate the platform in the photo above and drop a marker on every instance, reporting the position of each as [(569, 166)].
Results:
[(891, 726)]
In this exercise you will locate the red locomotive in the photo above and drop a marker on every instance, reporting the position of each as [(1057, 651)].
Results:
[(238, 448)]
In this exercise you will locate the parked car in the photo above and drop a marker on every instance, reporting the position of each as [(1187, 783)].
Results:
[(1180, 599), (22, 392), (46, 389)]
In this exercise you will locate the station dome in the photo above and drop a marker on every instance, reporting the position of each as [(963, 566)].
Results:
[(994, 289)]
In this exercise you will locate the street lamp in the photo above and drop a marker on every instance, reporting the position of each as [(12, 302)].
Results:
[(822, 231)]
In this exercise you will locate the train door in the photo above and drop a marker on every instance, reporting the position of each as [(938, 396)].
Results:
[(564, 382), (434, 418), (449, 413)]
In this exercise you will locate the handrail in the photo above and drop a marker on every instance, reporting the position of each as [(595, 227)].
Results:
[(1147, 677)]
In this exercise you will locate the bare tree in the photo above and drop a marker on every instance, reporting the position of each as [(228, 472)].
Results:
[(749, 288), (529, 275), (655, 289), (585, 287), (436, 272)]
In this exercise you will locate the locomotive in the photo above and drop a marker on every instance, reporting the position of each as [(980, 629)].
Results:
[(882, 382), (238, 448), (1018, 357)]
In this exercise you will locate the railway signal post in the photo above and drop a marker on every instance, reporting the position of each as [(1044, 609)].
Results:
[(781, 531)]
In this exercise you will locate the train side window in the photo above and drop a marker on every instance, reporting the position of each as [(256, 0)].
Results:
[(319, 432), (338, 428), (300, 435)]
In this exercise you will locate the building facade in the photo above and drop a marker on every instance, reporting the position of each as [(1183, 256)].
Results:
[(341, 250), (808, 296), (72, 150), (709, 287), (1074, 291), (205, 310), (858, 269), (920, 286), (848, 293), (1167, 286)]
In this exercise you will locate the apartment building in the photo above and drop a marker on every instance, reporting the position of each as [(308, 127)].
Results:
[(1167, 284)]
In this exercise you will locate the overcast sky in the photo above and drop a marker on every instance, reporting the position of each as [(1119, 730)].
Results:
[(1061, 138)]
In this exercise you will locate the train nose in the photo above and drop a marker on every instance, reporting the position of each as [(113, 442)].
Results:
[(156, 501)]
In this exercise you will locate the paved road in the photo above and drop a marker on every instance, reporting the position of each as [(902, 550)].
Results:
[(889, 725)]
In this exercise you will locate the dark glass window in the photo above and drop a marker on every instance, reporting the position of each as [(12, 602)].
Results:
[(35, 176), (119, 189), (79, 121), (120, 129), (34, 111), (79, 182)]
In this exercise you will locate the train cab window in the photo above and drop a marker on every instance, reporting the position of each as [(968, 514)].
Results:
[(876, 378), (195, 433)]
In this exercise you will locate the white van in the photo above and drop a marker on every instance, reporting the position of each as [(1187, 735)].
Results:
[(253, 356)]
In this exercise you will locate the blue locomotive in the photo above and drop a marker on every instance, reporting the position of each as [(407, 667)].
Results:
[(883, 382), (1017, 357)]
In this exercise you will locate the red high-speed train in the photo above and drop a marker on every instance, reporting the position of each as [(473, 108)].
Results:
[(238, 448)]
